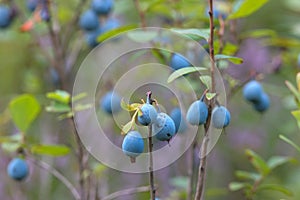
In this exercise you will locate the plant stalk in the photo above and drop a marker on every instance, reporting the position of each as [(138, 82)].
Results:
[(151, 173), (203, 151)]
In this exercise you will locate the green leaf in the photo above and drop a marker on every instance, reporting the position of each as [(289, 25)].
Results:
[(58, 107), (114, 32), (11, 143), (81, 107), (60, 96), (127, 127), (296, 114), (233, 59), (276, 161), (79, 96), (206, 80), (130, 107), (277, 188), (244, 175), (98, 169), (24, 110), (184, 71), (290, 142), (195, 34), (180, 182), (210, 96), (142, 35), (247, 8), (261, 166), (11, 139), (235, 186), (258, 33), (66, 115), (293, 90), (50, 150)]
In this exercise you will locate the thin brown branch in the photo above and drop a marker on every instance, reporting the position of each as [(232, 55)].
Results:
[(141, 13), (56, 174), (203, 151), (127, 192), (80, 160), (191, 170), (151, 174)]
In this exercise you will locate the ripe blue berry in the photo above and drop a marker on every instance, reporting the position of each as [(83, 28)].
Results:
[(110, 24), (149, 114), (89, 20), (102, 7), (178, 62), (31, 5), (220, 117), (133, 145), (263, 104), (91, 37), (179, 120), (197, 113), (17, 169), (110, 102), (5, 16), (164, 127), (252, 91)]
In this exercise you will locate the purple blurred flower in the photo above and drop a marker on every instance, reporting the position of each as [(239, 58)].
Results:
[(256, 57)]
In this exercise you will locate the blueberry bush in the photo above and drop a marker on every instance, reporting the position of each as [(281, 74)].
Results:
[(245, 87)]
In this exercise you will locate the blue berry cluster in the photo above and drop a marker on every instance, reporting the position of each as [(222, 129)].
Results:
[(253, 92), (91, 20)]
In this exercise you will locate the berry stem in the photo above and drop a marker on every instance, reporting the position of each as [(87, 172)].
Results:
[(203, 151), (151, 173), (56, 174), (150, 145)]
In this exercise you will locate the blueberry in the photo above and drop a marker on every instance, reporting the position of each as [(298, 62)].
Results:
[(253, 91), (263, 104), (110, 24), (5, 16), (110, 102), (164, 127), (197, 113), (178, 62), (89, 21), (91, 37), (133, 145), (17, 169), (179, 120), (102, 7), (149, 114), (45, 14), (220, 117), (32, 4)]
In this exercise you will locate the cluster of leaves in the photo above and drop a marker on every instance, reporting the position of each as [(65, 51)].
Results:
[(24, 109), (254, 182)]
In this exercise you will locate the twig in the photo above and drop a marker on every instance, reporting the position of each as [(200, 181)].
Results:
[(56, 174), (141, 13), (150, 145), (191, 170), (203, 151), (72, 26), (127, 192), (151, 175), (80, 156)]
